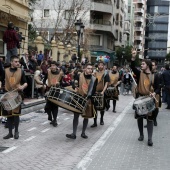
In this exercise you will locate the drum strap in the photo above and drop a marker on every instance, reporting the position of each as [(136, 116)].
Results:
[(91, 85)]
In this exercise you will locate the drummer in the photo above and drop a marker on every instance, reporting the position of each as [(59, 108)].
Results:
[(103, 81), (85, 85), (145, 83), (114, 82), (54, 78), (14, 79)]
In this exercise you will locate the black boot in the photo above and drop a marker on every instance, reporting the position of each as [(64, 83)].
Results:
[(55, 123), (150, 143), (71, 136), (83, 135), (8, 136), (16, 135), (95, 123), (140, 138)]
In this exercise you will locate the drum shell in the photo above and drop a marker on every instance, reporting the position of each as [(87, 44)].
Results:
[(144, 105), (11, 101), (98, 101), (67, 99), (112, 93)]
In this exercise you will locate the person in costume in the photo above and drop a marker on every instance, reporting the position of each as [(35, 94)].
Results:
[(85, 85), (145, 84), (14, 80), (115, 80), (54, 78), (103, 81)]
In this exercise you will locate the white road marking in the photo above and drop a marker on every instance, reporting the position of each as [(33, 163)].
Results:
[(31, 129), (9, 149), (85, 162), (66, 118), (30, 138), (44, 123), (45, 130)]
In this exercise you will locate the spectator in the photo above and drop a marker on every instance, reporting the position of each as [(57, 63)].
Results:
[(40, 58), (44, 67), (32, 64), (66, 81), (39, 83), (166, 80), (10, 37)]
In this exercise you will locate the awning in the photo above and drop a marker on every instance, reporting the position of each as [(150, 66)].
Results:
[(112, 54)]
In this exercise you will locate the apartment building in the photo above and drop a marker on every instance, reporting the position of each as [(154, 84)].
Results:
[(105, 19), (139, 26), (157, 29), (17, 12)]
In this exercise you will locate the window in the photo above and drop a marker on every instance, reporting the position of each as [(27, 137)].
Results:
[(95, 40), (129, 9), (2, 46), (46, 12), (69, 14)]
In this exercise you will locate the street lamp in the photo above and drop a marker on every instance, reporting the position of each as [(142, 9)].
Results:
[(123, 53), (80, 29)]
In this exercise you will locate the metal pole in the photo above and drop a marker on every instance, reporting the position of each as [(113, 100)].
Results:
[(78, 46)]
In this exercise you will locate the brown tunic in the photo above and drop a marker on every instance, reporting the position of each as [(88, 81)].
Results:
[(113, 78), (89, 111), (53, 79), (12, 81), (100, 77), (145, 83)]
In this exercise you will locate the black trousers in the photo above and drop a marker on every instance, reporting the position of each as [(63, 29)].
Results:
[(149, 127), (13, 121), (52, 110), (76, 121)]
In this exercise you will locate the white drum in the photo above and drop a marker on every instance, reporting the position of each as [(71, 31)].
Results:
[(144, 105), (10, 100)]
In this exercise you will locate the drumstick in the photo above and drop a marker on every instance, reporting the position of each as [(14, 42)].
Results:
[(154, 97)]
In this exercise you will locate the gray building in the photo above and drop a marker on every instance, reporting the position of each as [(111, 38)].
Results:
[(156, 37)]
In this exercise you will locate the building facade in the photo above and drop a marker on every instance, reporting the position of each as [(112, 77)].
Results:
[(104, 19), (139, 26), (15, 11), (157, 29)]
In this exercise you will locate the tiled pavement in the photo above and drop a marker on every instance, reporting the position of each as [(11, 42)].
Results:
[(113, 146), (44, 147), (122, 150)]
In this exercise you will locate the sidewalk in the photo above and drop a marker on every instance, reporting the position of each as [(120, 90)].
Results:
[(119, 149)]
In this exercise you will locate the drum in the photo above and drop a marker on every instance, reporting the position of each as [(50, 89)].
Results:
[(144, 105), (112, 93), (98, 101), (67, 99), (10, 100)]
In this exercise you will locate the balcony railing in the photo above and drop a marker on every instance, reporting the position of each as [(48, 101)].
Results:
[(138, 28), (139, 1), (100, 21), (139, 19), (103, 1), (139, 10), (138, 38)]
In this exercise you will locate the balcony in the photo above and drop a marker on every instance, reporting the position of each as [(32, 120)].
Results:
[(139, 1), (141, 56), (100, 24), (138, 38), (139, 47), (97, 6), (140, 19), (139, 10), (138, 29)]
